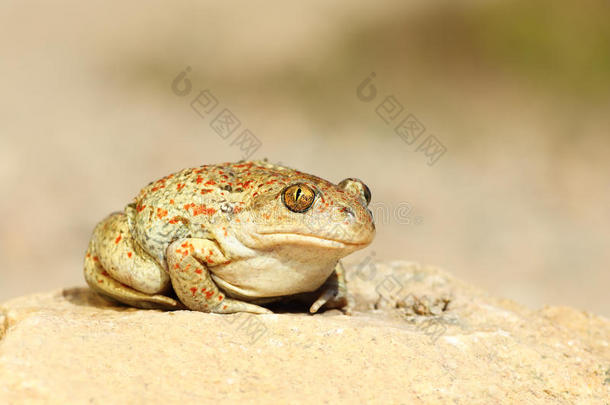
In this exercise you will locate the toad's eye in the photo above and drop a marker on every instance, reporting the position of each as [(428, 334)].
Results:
[(298, 197)]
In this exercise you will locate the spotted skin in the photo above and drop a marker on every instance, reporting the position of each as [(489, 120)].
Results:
[(224, 239)]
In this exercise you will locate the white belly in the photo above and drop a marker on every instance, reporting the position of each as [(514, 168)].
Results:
[(284, 270)]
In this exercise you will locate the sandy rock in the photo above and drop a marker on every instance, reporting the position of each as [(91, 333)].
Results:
[(416, 335)]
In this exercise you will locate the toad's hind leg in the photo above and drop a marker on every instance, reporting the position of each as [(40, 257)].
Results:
[(117, 268)]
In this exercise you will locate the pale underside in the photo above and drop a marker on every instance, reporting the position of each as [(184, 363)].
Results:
[(279, 271)]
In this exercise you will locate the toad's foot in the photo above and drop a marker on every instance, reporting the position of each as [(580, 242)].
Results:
[(334, 293)]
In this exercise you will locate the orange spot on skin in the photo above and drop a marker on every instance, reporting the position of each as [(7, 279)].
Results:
[(185, 244), (129, 254), (161, 213), (177, 219), (96, 259), (193, 290), (210, 183), (176, 266), (198, 271), (118, 239), (171, 201), (209, 294), (161, 185), (180, 186), (224, 307), (202, 209), (206, 190), (199, 179), (220, 298)]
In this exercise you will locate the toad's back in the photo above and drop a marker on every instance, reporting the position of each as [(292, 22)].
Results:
[(199, 201)]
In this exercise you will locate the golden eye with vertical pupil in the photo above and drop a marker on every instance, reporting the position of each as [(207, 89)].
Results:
[(298, 197)]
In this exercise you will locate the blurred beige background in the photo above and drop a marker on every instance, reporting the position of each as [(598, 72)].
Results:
[(517, 92)]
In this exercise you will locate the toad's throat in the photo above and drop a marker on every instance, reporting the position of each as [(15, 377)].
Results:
[(282, 271)]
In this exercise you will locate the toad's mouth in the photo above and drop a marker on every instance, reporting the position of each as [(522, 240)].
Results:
[(298, 238)]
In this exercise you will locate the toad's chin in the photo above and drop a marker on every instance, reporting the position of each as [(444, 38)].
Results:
[(295, 238), (309, 240)]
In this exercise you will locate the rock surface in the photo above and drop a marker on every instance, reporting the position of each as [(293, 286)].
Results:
[(416, 335)]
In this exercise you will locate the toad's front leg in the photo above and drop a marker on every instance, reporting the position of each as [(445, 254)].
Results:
[(334, 293), (187, 261)]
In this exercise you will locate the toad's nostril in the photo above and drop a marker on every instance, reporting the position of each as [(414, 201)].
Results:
[(350, 213)]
